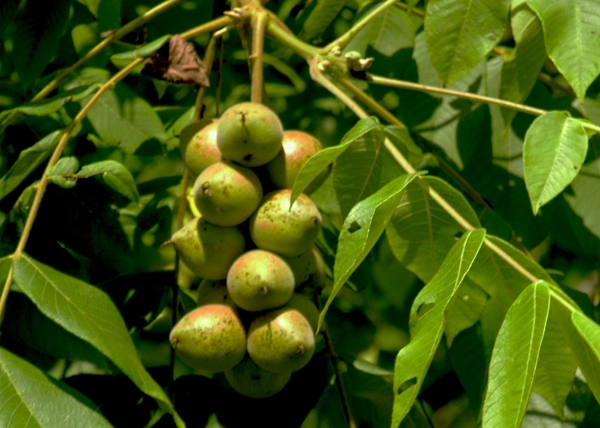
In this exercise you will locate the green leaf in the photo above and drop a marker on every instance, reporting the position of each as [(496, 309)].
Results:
[(122, 60), (39, 26), (322, 159), (508, 282), (583, 201), (361, 230), (29, 159), (515, 357), (466, 310), (420, 232), (586, 348), (553, 152), (116, 176), (362, 169), (62, 172), (8, 8), (391, 30), (572, 39), (120, 117), (460, 33), (556, 368), (520, 70), (321, 16), (89, 314), (427, 319), (50, 105), (30, 399)]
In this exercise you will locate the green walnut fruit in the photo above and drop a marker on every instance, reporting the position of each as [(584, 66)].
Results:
[(249, 134), (210, 338), (274, 227), (227, 194), (206, 249), (213, 292), (281, 341), (260, 280), (250, 380), (298, 148), (199, 145), (309, 271), (306, 307)]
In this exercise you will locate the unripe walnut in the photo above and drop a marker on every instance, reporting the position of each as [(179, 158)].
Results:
[(206, 249), (249, 134), (260, 280), (309, 271), (210, 338), (298, 148), (250, 380), (227, 194), (199, 146), (281, 341), (274, 227)]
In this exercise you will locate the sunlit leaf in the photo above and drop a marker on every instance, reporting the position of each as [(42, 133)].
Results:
[(62, 172), (361, 230), (420, 232), (461, 33), (39, 27), (322, 159), (553, 152), (515, 357), (572, 39), (520, 70), (556, 368), (116, 176), (29, 159), (427, 319), (89, 314), (466, 310), (362, 169), (30, 399)]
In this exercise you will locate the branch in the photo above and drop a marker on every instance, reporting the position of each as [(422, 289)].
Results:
[(260, 20)]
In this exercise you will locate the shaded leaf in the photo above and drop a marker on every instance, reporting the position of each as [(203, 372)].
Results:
[(583, 201), (361, 230), (515, 357), (420, 232), (30, 399), (427, 319), (466, 310), (116, 176), (586, 349), (62, 172), (520, 70), (8, 9), (123, 59), (461, 33), (50, 105), (29, 159), (362, 169), (39, 26), (572, 39), (321, 16), (89, 314), (391, 30), (322, 159), (120, 117), (553, 152)]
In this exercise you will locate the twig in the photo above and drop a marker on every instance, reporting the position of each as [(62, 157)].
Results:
[(260, 20)]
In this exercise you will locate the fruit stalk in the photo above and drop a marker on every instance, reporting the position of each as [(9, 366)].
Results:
[(260, 20)]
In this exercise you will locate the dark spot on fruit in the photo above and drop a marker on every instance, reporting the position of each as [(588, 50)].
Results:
[(247, 157), (300, 350)]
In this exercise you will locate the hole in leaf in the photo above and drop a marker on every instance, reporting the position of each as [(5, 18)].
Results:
[(424, 309), (354, 227), (459, 234), (407, 384)]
